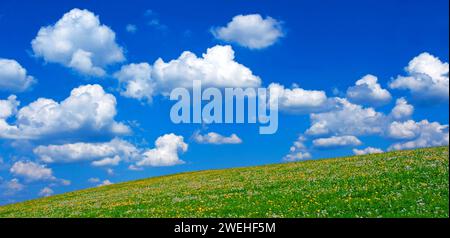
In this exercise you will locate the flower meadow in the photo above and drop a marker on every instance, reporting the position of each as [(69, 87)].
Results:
[(412, 183)]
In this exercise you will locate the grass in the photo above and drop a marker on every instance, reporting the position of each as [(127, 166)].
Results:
[(412, 183)]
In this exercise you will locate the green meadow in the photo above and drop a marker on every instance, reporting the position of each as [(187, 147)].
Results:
[(413, 183)]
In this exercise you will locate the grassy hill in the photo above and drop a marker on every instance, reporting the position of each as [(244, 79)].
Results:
[(411, 183)]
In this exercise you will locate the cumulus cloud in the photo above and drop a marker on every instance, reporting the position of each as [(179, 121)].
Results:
[(347, 119), (353, 119), (402, 110), (104, 183), (8, 107), (298, 151), (102, 154), (419, 134), (403, 130), (216, 68), (297, 156), (165, 153), (13, 186), (251, 31), (78, 40), (298, 100), (45, 192), (367, 91), (110, 171), (336, 141), (136, 81), (217, 139), (13, 77), (368, 150), (106, 154), (32, 171), (99, 182), (427, 78), (87, 111), (82, 61), (107, 162)]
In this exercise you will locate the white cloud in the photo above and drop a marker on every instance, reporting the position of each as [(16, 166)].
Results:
[(45, 192), (13, 77), (216, 68), (107, 161), (32, 171), (251, 31), (106, 153), (136, 81), (420, 134), (8, 107), (402, 110), (298, 151), (78, 40), (99, 182), (131, 28), (336, 141), (165, 152), (403, 130), (344, 119), (65, 182), (103, 154), (347, 119), (368, 150), (367, 91), (87, 111), (135, 168), (110, 171), (427, 79), (217, 139), (295, 156), (104, 183), (298, 144), (14, 185), (298, 100), (353, 120), (82, 61)]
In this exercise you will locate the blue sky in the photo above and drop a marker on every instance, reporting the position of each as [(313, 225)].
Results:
[(306, 48)]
